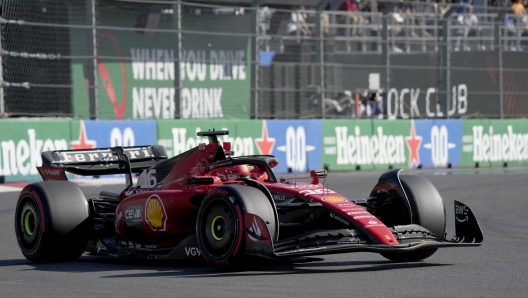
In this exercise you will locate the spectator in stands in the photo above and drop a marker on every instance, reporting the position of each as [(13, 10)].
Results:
[(351, 6), (517, 24), (519, 11), (297, 24), (465, 4), (370, 105), (433, 14), (397, 29), (469, 22)]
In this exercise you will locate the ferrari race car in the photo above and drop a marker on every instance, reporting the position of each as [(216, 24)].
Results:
[(231, 211)]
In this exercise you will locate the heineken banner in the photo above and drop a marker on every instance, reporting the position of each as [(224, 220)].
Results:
[(22, 142), (299, 145), (382, 144), (105, 134), (492, 143), (136, 71)]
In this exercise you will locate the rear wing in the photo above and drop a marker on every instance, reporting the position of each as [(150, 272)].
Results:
[(102, 161)]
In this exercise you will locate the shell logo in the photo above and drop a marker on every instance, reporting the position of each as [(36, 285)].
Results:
[(155, 214), (334, 199)]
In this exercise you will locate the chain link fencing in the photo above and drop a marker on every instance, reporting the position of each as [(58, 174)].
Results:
[(130, 59)]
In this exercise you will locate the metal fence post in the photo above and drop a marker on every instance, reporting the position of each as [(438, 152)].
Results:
[(91, 66), (385, 47), (254, 100), (2, 109), (498, 56), (176, 25), (445, 65), (319, 57)]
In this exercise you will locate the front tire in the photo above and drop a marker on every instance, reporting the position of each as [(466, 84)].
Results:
[(52, 221), (221, 221), (428, 211)]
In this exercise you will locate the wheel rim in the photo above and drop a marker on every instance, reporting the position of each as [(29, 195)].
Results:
[(28, 225), (219, 229)]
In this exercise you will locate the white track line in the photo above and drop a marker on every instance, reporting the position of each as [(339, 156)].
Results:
[(16, 187)]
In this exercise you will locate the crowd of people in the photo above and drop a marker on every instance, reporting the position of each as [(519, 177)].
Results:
[(369, 104), (465, 22)]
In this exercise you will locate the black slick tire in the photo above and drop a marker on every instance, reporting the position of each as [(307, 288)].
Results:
[(428, 211), (52, 221), (220, 225)]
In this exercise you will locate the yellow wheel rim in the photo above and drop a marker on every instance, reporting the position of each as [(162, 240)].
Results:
[(213, 230), (28, 222)]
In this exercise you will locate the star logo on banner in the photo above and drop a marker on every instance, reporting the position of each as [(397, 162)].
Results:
[(83, 142), (413, 143), (265, 143)]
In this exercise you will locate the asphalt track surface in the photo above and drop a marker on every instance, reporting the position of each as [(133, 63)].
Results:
[(499, 268)]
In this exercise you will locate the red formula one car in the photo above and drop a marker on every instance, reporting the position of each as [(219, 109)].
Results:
[(229, 210)]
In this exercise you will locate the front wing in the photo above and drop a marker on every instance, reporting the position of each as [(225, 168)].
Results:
[(410, 238)]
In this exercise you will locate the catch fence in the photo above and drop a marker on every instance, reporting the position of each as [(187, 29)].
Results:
[(129, 59)]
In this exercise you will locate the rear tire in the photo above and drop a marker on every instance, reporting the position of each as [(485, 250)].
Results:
[(428, 211), (220, 225), (52, 221)]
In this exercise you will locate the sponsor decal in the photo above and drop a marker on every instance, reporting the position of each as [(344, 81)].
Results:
[(296, 148), (147, 179), (307, 186), (378, 148), (133, 223), (128, 193), (334, 199), (265, 143), (440, 142), (137, 245), (133, 214), (373, 223), (102, 155), (155, 213), (355, 212), (218, 191), (461, 213), (255, 229), (83, 142), (339, 219), (363, 216), (52, 172), (280, 197), (320, 191), (487, 145), (22, 157), (193, 251), (397, 100), (297, 144), (413, 143)]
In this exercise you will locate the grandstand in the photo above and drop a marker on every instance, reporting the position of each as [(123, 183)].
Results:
[(160, 59)]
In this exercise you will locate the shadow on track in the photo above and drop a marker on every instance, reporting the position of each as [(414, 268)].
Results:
[(200, 269)]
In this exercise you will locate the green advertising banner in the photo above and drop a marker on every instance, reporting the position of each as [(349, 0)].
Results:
[(22, 141), (494, 143), (136, 69), (178, 136), (361, 144)]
